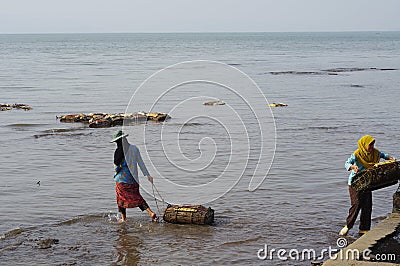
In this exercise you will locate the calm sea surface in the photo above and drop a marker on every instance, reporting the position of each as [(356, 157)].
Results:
[(338, 87)]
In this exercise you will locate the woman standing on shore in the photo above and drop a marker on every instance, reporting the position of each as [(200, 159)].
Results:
[(362, 158), (126, 176)]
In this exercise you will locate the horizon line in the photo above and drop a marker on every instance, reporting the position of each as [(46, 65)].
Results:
[(191, 32)]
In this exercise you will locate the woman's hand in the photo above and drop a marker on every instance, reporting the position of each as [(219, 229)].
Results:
[(392, 158), (150, 178), (354, 168)]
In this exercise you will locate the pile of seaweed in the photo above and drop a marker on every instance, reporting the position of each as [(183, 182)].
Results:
[(20, 106), (99, 120)]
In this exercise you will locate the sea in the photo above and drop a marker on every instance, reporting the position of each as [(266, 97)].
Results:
[(274, 176)]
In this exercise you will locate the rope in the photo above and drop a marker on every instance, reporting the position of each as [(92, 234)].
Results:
[(155, 199)]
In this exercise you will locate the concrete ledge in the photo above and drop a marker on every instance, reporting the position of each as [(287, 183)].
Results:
[(367, 241)]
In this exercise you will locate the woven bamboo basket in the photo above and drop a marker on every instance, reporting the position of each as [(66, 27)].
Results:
[(381, 175), (188, 214)]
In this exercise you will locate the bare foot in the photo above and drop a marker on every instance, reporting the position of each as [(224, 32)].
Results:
[(120, 221), (154, 217)]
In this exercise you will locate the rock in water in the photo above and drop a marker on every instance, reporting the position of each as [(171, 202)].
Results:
[(214, 103)]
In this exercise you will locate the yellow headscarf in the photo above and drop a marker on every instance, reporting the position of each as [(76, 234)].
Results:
[(367, 159)]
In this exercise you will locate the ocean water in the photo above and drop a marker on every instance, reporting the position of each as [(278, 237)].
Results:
[(338, 87)]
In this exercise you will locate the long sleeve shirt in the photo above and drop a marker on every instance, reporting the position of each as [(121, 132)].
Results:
[(353, 161), (127, 171)]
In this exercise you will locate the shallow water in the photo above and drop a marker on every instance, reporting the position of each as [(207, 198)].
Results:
[(303, 202)]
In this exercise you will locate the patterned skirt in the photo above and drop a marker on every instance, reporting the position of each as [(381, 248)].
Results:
[(128, 195)]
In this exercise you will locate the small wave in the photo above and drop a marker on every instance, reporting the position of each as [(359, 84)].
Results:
[(25, 125), (292, 129), (83, 64), (197, 124), (64, 132), (323, 127), (353, 69), (191, 124), (16, 87), (11, 233), (331, 71), (83, 218), (36, 136), (301, 73), (356, 86), (241, 242)]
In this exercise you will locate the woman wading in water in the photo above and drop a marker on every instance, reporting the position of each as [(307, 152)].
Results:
[(362, 158), (126, 176)]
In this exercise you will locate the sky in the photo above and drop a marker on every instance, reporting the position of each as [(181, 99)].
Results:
[(84, 16)]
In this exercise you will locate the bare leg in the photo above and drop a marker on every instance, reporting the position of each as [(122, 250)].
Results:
[(151, 214), (123, 213)]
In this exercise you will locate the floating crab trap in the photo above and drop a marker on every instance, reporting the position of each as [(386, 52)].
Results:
[(381, 175), (188, 214)]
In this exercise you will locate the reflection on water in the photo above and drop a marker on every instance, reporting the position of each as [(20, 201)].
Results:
[(127, 247)]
